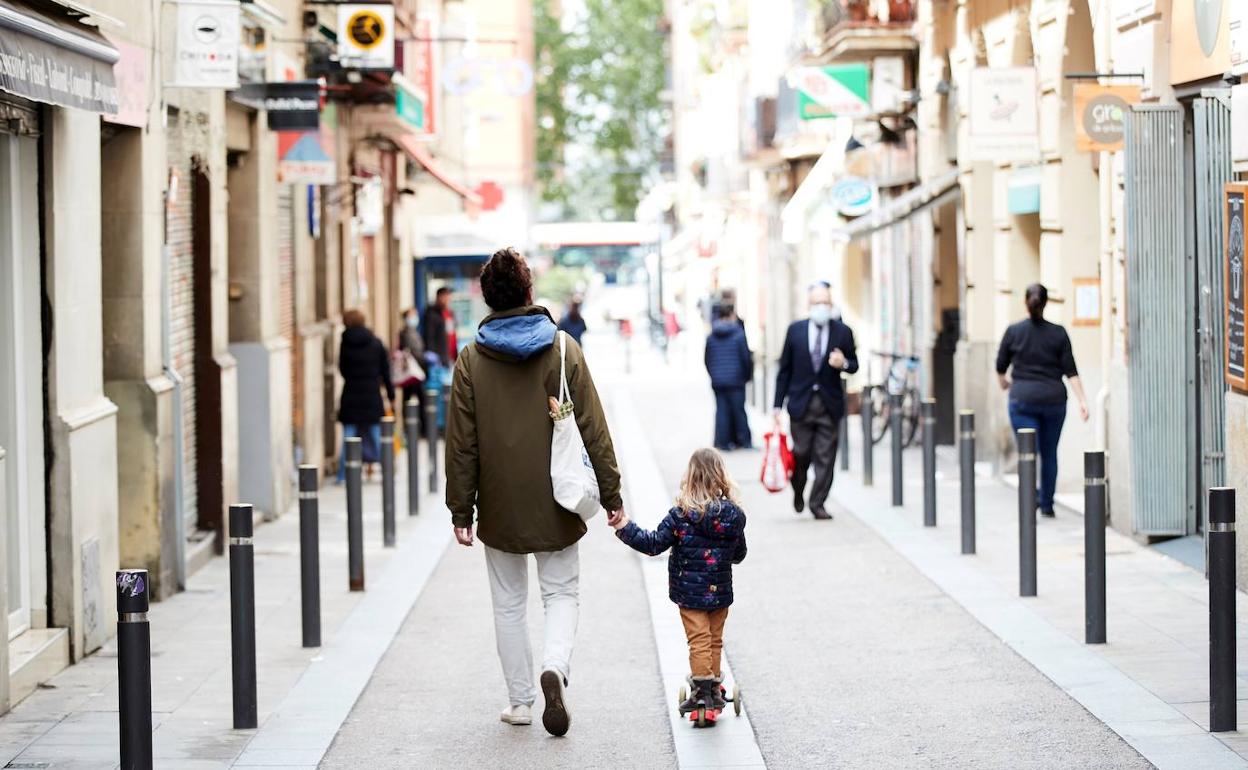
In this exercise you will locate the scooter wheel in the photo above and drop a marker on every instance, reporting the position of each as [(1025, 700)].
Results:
[(680, 698), (701, 717), (736, 700)]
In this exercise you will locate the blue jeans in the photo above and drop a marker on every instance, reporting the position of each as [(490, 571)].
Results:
[(370, 446), (732, 426), (1046, 420)]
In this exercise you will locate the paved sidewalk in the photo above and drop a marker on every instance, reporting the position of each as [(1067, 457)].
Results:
[(1149, 683), (72, 721)]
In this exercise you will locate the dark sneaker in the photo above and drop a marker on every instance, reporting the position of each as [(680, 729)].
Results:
[(555, 718), (819, 512), (799, 503), (1048, 513)]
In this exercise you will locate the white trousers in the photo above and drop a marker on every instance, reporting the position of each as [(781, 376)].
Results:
[(558, 574)]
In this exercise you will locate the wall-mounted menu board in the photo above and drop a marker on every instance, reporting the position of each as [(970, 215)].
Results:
[(1234, 223)]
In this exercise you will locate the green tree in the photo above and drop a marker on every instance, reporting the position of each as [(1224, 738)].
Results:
[(601, 121)]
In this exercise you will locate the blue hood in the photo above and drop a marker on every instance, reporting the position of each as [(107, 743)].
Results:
[(522, 336)]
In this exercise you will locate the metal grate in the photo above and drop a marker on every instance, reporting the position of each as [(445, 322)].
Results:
[(1159, 319), (1213, 170)]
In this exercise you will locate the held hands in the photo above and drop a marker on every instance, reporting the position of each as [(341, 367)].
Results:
[(463, 535), (617, 519), (836, 359)]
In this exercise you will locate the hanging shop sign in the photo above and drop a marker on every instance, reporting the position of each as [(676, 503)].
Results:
[(294, 106), (853, 196), (1004, 122), (366, 36), (1100, 115), (56, 60), (207, 45), (307, 157), (1199, 39), (130, 72), (1233, 227), (832, 91)]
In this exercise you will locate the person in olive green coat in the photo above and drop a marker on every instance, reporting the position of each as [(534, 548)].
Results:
[(498, 439)]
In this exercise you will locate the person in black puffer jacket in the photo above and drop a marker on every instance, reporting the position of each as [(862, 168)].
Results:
[(706, 532), (730, 365), (365, 369)]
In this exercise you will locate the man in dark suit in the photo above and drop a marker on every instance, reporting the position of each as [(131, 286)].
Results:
[(816, 351)]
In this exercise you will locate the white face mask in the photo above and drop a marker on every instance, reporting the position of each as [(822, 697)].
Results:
[(412, 322), (820, 314)]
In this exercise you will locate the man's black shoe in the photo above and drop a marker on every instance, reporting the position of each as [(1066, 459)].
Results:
[(799, 504), (819, 513), (1048, 513)]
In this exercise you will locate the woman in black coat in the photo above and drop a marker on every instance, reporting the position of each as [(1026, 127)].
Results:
[(365, 369)]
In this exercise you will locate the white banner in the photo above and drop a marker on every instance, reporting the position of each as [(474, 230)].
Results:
[(366, 36), (207, 45), (1004, 114)]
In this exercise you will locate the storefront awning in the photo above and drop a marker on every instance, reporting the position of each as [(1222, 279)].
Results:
[(55, 59), (820, 177), (417, 151), (933, 193)]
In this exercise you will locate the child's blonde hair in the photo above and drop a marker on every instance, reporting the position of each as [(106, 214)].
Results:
[(706, 480)]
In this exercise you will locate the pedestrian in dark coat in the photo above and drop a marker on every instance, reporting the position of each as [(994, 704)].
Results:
[(365, 369), (817, 350), (705, 531), (731, 366), (573, 322)]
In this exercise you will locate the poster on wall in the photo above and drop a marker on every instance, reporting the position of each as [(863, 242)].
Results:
[(1233, 227), (1100, 115), (1004, 123), (207, 45)]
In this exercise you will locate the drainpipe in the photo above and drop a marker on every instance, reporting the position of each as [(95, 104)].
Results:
[(179, 444), (1101, 406)]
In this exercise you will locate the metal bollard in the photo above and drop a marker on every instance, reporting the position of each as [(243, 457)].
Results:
[(411, 425), (868, 446), (1027, 512), (966, 458), (431, 434), (310, 555), (929, 463), (355, 515), (134, 669), (1222, 707), (842, 438), (243, 617), (1094, 547), (387, 481), (894, 427)]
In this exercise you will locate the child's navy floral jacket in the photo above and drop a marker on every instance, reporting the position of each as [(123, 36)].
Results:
[(699, 571)]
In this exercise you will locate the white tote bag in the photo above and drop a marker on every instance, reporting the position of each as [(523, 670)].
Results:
[(571, 473)]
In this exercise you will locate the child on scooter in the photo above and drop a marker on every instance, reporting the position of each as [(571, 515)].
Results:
[(706, 532)]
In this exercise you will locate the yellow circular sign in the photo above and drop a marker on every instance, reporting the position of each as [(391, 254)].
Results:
[(366, 29)]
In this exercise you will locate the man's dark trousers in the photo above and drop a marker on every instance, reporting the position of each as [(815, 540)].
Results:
[(814, 443), (732, 427)]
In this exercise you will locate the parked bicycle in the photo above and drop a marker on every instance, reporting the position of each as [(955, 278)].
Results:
[(902, 376)]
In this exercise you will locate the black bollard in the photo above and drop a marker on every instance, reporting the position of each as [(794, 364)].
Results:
[(1094, 547), (1221, 535), (411, 425), (868, 445), (310, 555), (243, 617), (842, 437), (387, 481), (1027, 512), (966, 458), (134, 669), (929, 463), (355, 516), (894, 427), (431, 434)]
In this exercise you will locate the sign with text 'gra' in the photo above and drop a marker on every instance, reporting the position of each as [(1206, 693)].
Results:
[(1100, 115)]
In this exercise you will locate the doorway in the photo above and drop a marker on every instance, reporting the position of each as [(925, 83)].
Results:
[(21, 379)]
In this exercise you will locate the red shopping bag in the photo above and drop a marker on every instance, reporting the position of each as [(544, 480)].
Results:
[(777, 460)]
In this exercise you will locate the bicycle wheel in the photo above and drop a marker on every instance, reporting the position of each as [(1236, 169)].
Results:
[(879, 414), (911, 413)]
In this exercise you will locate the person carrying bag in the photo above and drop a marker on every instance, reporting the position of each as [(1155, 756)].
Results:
[(571, 473)]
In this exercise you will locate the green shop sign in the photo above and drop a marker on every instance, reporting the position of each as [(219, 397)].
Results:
[(411, 108), (832, 91)]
